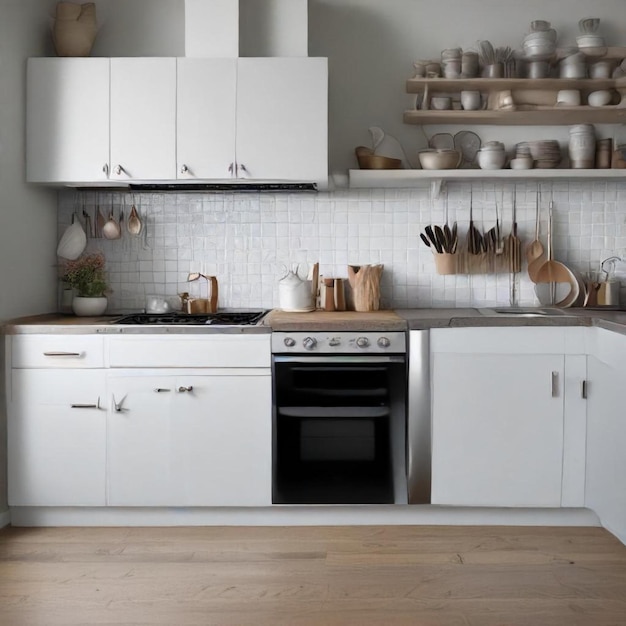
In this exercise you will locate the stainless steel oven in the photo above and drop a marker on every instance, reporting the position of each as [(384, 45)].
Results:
[(339, 418)]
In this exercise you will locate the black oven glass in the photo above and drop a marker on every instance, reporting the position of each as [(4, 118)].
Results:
[(336, 425)]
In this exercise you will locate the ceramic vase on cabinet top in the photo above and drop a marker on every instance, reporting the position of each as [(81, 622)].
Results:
[(74, 29)]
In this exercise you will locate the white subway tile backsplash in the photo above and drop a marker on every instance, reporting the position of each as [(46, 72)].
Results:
[(248, 240)]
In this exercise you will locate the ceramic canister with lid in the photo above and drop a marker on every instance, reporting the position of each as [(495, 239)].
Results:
[(492, 156), (582, 146)]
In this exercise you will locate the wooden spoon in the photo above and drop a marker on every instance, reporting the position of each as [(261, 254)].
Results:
[(535, 252), (552, 271)]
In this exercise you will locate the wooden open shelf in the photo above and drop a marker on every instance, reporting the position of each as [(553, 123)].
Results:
[(366, 179), (535, 116), (455, 85)]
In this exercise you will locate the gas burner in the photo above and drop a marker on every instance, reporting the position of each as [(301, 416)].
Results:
[(222, 318)]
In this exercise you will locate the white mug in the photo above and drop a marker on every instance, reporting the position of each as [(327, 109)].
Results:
[(470, 100)]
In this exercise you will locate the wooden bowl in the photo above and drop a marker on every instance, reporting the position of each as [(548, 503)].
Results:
[(378, 162)]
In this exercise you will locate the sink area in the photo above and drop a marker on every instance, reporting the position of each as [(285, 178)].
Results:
[(522, 312)]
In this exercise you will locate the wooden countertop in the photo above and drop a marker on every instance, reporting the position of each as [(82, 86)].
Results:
[(335, 320)]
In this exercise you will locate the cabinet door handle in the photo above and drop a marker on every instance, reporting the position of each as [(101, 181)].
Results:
[(555, 384), (119, 170), (183, 389), (105, 169), (583, 389), (184, 169), (87, 406), (79, 354), (231, 169), (161, 390), (117, 405), (244, 169)]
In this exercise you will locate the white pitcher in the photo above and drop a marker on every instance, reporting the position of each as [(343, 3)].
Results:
[(294, 294)]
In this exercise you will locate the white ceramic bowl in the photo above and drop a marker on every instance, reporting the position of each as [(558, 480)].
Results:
[(521, 163), (440, 103), (599, 98), (440, 159), (568, 97), (491, 159)]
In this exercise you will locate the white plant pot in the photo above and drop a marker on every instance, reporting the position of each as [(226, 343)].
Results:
[(89, 307)]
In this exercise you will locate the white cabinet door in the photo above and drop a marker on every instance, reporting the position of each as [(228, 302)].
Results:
[(205, 127), (606, 432), (189, 440), (56, 438), (67, 120), (282, 118), (143, 118), (497, 429)]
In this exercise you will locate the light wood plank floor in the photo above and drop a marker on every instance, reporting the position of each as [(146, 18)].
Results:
[(418, 575)]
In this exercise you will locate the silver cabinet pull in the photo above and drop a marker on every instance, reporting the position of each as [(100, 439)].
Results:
[(555, 384), (183, 389), (184, 169), (118, 170), (86, 406), (583, 389), (244, 169), (231, 169), (79, 354), (161, 390), (105, 169)]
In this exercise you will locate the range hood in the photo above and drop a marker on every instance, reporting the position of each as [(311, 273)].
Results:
[(208, 187)]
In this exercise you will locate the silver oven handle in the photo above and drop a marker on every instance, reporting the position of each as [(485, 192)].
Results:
[(334, 359)]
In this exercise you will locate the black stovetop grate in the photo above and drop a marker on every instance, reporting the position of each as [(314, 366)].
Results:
[(222, 318)]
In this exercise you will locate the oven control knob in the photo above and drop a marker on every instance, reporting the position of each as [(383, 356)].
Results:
[(362, 342), (290, 342), (383, 342), (333, 342), (309, 343)]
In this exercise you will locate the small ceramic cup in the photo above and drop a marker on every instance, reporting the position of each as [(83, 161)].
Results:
[(471, 100), (568, 97), (440, 103)]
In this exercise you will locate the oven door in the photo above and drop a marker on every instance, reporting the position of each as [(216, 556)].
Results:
[(339, 429)]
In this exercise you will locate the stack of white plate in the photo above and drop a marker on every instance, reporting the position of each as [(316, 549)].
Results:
[(546, 153)]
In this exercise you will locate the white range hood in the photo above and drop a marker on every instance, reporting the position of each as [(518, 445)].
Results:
[(252, 28)]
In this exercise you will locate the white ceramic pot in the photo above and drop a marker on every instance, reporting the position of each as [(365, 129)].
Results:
[(491, 159), (89, 307), (295, 294)]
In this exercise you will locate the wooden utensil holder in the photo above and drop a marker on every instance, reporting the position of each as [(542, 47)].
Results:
[(365, 283)]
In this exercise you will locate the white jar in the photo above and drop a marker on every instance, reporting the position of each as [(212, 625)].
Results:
[(582, 146), (491, 159)]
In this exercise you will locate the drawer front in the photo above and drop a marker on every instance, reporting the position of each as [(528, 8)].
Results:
[(57, 351), (190, 351)]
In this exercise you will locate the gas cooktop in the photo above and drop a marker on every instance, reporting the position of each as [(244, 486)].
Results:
[(222, 318)]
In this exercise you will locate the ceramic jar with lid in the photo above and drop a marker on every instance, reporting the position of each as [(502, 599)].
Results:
[(492, 156), (582, 146)]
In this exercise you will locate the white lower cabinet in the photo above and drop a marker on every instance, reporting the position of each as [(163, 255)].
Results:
[(498, 417), (57, 437), (177, 438), (606, 431)]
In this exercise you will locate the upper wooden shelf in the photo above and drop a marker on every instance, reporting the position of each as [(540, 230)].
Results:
[(537, 116), (417, 85)]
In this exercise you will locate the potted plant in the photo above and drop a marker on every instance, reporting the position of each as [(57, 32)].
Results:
[(86, 276)]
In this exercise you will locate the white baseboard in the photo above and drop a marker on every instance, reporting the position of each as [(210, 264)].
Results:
[(5, 518), (421, 514)]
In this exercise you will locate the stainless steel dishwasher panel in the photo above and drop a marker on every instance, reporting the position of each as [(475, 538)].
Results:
[(419, 449)]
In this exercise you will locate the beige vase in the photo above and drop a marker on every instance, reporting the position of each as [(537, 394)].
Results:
[(74, 29)]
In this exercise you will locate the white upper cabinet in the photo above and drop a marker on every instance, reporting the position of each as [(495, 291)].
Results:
[(166, 119), (282, 118), (67, 120), (205, 118), (143, 118)]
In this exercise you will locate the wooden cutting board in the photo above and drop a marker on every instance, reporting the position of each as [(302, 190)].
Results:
[(335, 320)]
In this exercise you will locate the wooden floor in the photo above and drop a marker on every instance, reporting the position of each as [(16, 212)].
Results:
[(418, 575)]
